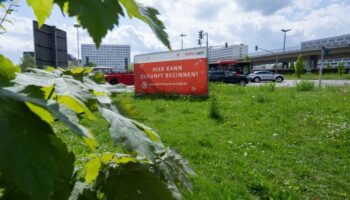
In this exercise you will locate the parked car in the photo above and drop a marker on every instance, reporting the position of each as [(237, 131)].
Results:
[(228, 77), (258, 76), (126, 78)]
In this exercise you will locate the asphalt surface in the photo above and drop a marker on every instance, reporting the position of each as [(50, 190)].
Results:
[(291, 83)]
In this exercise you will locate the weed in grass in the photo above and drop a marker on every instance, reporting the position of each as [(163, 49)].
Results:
[(214, 109), (186, 111), (160, 108), (261, 98), (270, 87), (304, 86)]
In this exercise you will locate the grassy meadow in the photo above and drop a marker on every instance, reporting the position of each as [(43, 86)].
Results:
[(315, 76), (253, 142)]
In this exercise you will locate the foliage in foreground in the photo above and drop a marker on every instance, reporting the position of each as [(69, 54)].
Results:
[(35, 163)]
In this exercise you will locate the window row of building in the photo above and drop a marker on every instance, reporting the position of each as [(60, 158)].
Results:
[(326, 42), (107, 55)]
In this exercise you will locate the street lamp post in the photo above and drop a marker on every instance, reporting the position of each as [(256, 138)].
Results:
[(182, 40), (273, 53), (285, 36), (78, 26)]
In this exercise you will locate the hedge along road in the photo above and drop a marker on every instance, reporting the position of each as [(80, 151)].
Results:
[(292, 83)]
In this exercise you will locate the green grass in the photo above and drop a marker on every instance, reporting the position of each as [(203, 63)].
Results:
[(315, 76), (277, 143)]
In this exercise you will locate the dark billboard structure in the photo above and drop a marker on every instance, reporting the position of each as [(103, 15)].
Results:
[(50, 45)]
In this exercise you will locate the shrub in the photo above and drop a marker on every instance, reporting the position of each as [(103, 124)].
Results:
[(305, 86), (214, 109), (261, 98), (299, 66), (270, 87), (341, 69)]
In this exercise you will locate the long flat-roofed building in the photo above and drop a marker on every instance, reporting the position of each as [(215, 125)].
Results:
[(107, 55), (229, 52)]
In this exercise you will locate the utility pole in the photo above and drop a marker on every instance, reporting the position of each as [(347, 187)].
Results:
[(78, 26), (182, 40), (324, 52), (201, 36)]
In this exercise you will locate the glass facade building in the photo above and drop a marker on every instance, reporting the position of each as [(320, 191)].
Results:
[(107, 55)]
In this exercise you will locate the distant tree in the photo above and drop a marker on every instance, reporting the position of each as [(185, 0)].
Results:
[(131, 66), (341, 69), (28, 61), (299, 66), (246, 58), (90, 64)]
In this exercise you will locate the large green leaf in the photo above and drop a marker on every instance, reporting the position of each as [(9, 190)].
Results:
[(32, 158), (173, 168), (124, 132), (7, 70), (42, 9), (131, 181), (149, 16), (61, 112), (99, 16), (2, 5), (96, 16)]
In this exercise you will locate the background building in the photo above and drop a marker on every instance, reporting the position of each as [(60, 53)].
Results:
[(107, 55), (335, 41), (231, 52)]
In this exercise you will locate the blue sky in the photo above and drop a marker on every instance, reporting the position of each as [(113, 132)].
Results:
[(257, 22)]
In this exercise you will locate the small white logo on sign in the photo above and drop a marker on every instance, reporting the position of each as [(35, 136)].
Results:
[(144, 85)]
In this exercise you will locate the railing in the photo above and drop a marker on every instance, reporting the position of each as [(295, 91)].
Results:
[(292, 50)]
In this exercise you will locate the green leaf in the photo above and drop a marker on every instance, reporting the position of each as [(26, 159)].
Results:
[(149, 16), (175, 170), (42, 9), (67, 116), (151, 134), (75, 105), (124, 132), (9, 21), (132, 181), (91, 169), (32, 158), (42, 113), (7, 70), (3, 28), (98, 78), (96, 16), (82, 191), (2, 5)]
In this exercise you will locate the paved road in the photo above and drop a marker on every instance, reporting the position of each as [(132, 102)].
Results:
[(291, 83)]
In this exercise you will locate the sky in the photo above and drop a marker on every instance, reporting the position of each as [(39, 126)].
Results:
[(251, 22)]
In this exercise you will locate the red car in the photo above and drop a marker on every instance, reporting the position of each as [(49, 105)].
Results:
[(126, 78), (115, 77)]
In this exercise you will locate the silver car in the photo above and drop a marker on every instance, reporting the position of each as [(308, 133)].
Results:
[(258, 76)]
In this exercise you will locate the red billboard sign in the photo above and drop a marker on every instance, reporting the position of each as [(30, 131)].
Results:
[(182, 72)]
